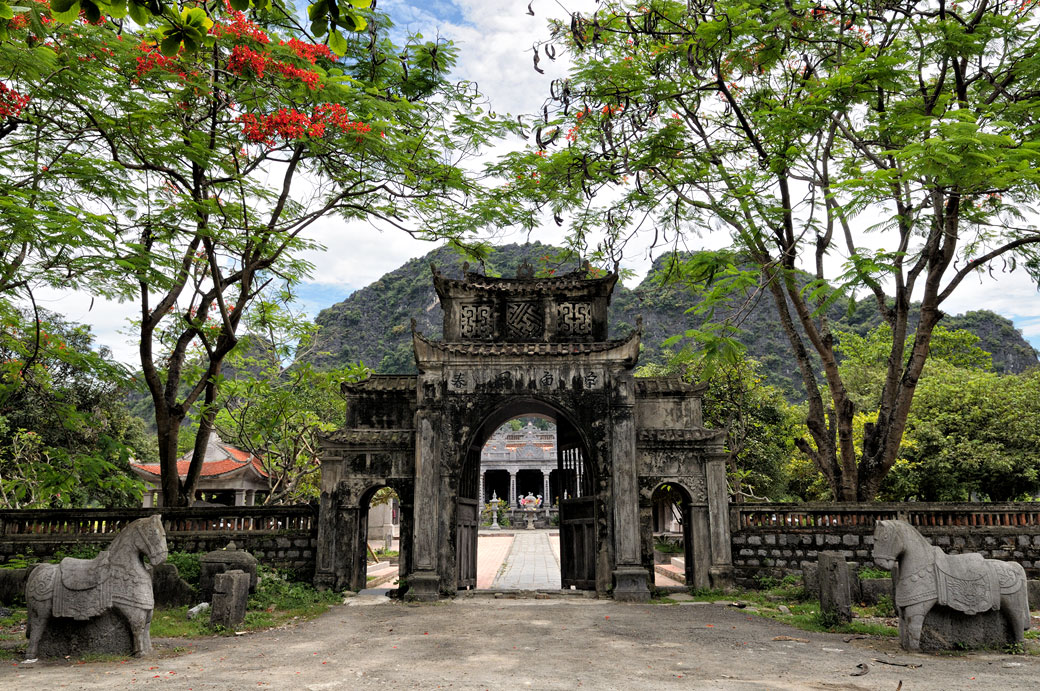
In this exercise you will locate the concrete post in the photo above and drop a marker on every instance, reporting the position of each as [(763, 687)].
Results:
[(240, 497), (512, 490)]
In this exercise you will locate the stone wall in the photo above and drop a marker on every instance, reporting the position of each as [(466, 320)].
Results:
[(772, 541), (280, 537)]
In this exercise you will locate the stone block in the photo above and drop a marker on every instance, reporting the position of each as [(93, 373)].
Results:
[(754, 540), (810, 576), (770, 539), (230, 596), (283, 542), (835, 588), (12, 585), (948, 629), (218, 561), (832, 539), (870, 589), (850, 540), (1033, 588), (169, 589), (107, 634)]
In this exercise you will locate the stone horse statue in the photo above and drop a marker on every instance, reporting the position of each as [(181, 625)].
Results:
[(117, 579), (924, 575)]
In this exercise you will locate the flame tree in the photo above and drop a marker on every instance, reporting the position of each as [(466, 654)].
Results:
[(201, 157)]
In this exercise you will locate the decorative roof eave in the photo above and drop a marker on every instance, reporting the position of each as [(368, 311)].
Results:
[(370, 438), (667, 386), (624, 351), (475, 283), (699, 437), (391, 383)]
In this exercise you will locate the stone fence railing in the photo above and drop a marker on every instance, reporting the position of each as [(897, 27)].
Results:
[(772, 540), (749, 517), (282, 536)]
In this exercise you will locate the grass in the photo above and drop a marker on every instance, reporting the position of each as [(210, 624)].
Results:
[(276, 602), (804, 610)]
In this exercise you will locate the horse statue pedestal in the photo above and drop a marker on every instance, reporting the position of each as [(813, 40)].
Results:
[(950, 601), (101, 605)]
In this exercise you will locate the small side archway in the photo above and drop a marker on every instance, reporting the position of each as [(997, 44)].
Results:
[(671, 514)]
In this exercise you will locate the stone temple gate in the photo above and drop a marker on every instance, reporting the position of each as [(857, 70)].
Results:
[(513, 347)]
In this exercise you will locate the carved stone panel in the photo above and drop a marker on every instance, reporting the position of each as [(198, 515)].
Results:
[(574, 319), (524, 321), (476, 321)]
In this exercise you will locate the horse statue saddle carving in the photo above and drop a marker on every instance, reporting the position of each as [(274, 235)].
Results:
[(967, 582), (82, 589)]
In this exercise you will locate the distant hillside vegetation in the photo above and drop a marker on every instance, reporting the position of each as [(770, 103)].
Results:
[(373, 324)]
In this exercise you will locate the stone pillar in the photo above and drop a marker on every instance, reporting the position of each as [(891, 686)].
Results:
[(718, 518), (512, 490), (480, 494), (250, 497), (545, 490), (325, 554), (698, 568), (630, 576), (424, 580), (835, 588), (240, 497), (147, 501)]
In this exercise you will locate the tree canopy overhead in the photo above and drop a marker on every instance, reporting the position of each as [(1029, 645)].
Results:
[(890, 149), (194, 164)]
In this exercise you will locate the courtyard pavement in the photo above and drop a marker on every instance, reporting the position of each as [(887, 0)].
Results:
[(481, 641), (532, 563)]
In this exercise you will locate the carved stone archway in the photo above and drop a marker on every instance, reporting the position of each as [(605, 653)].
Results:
[(517, 346)]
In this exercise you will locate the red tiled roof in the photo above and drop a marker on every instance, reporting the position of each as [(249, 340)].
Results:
[(234, 459)]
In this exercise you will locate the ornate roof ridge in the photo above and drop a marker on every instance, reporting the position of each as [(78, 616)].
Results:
[(471, 280), (494, 348)]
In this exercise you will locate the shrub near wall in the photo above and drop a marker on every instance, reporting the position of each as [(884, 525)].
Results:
[(279, 537), (772, 540)]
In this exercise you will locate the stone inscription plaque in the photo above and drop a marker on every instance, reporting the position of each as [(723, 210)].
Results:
[(543, 379)]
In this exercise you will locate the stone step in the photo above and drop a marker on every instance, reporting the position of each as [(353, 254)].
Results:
[(679, 563), (670, 571)]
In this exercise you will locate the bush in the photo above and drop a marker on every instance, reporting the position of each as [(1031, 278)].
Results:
[(274, 591), (76, 552), (188, 566)]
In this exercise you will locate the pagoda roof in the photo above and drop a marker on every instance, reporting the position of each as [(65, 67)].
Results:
[(526, 284), (220, 460)]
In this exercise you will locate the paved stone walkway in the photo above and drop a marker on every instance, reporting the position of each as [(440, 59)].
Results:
[(492, 550), (532, 563)]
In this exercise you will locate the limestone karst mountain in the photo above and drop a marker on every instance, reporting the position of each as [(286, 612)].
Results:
[(373, 324)]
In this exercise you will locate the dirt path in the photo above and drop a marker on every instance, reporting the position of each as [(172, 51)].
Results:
[(483, 643)]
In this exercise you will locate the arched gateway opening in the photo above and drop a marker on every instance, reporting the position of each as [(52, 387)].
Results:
[(514, 347), (566, 490)]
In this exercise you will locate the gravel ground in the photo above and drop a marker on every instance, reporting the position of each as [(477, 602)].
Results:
[(486, 643)]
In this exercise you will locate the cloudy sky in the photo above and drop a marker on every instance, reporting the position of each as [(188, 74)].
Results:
[(494, 39)]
